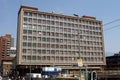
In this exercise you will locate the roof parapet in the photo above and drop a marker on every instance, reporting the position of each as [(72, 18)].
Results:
[(29, 7), (89, 17)]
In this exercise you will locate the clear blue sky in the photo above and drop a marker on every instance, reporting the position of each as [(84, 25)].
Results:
[(105, 10)]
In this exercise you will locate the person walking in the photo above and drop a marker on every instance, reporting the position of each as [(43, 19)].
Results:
[(0, 78), (9, 78)]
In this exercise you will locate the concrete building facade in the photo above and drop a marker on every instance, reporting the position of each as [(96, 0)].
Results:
[(47, 38)]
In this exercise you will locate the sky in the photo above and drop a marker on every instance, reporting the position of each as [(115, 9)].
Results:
[(104, 10)]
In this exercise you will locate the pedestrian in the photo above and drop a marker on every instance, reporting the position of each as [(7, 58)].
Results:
[(9, 78), (0, 78), (23, 78)]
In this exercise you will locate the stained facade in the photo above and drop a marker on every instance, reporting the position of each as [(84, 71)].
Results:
[(47, 38)]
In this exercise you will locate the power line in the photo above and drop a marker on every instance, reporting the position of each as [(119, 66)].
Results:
[(111, 22), (112, 28)]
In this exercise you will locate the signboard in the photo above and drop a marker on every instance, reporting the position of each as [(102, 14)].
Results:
[(80, 63), (51, 70)]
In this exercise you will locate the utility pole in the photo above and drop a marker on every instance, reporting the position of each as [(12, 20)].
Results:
[(86, 73), (30, 67)]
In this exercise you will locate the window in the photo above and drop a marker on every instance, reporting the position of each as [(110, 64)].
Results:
[(25, 13), (52, 17), (65, 47), (52, 28), (24, 31), (57, 46), (24, 57), (44, 45), (57, 23), (30, 20), (39, 45), (25, 19), (29, 38), (30, 26), (34, 44), (44, 33), (35, 15), (29, 51), (39, 32), (24, 44), (69, 30), (29, 32), (34, 26), (29, 44), (30, 13), (39, 27), (39, 20), (48, 46), (61, 29), (48, 39), (52, 34), (52, 22), (43, 21), (44, 27), (34, 33), (24, 38), (53, 40), (61, 40), (61, 35), (48, 27), (52, 46), (25, 26), (48, 16), (44, 16), (24, 50), (33, 57), (61, 24), (65, 29), (39, 38), (43, 39), (35, 20), (39, 15), (61, 46)]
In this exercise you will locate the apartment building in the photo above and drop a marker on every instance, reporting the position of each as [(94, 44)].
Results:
[(5, 43), (48, 38)]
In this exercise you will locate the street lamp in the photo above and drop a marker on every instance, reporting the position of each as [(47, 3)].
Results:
[(80, 64), (78, 33), (86, 71)]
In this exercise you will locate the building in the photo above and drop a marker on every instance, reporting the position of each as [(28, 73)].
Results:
[(47, 38), (113, 62), (7, 66), (112, 69), (6, 42), (6, 61)]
